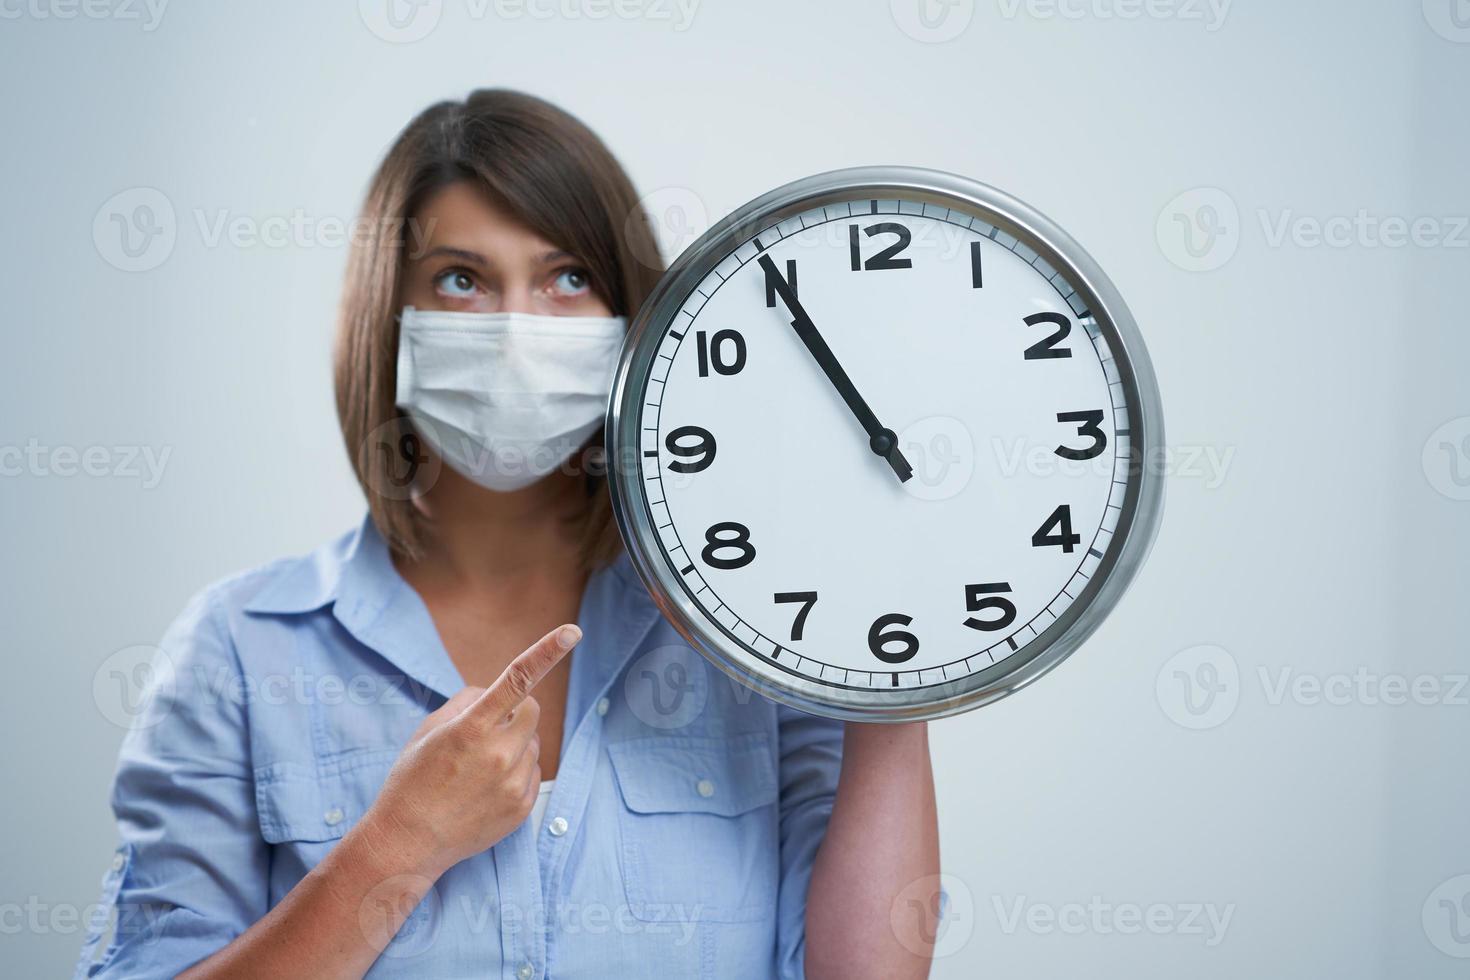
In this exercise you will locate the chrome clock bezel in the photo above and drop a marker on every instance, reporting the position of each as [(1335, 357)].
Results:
[(1142, 503)]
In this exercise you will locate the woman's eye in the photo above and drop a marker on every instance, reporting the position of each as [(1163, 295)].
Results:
[(456, 283), (571, 282)]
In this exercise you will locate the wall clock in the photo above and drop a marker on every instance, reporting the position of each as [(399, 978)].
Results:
[(879, 442)]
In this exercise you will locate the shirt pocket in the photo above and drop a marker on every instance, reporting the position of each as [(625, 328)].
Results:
[(303, 812), (301, 803), (698, 826)]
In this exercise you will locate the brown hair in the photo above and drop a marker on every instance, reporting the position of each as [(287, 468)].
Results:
[(556, 177)]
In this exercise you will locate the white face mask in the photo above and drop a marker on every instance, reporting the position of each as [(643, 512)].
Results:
[(505, 398)]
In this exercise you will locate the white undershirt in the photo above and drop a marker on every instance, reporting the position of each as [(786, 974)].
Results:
[(538, 809)]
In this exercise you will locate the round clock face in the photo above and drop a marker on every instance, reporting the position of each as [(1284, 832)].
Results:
[(879, 439)]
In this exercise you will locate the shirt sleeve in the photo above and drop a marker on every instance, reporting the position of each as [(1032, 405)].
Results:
[(811, 756), (190, 872)]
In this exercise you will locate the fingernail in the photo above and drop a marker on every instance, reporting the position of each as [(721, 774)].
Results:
[(567, 637)]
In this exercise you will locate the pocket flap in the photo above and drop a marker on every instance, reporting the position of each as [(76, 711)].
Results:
[(295, 803), (691, 773)]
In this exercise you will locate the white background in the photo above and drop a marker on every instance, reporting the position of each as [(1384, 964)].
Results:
[(1332, 542)]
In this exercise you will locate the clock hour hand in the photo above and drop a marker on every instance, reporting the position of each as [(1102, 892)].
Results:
[(882, 441)]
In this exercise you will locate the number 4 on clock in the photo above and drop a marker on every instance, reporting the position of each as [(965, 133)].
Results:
[(1061, 519)]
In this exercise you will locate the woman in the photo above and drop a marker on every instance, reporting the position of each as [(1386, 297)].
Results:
[(366, 760)]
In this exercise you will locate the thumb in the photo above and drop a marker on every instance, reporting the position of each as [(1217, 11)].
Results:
[(450, 709)]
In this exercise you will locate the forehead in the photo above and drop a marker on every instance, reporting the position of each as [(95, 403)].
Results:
[(464, 216)]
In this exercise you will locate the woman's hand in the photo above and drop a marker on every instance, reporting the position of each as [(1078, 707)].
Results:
[(470, 773), (467, 778)]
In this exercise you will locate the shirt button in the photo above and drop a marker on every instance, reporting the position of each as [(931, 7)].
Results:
[(602, 705), (558, 826), (117, 862), (706, 788), (333, 816), (526, 972)]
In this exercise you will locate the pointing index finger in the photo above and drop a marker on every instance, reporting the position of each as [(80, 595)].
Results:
[(525, 672)]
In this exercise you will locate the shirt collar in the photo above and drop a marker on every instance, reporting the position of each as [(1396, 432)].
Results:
[(305, 584), (355, 575), (617, 613)]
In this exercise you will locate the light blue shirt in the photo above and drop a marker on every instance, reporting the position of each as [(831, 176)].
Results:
[(678, 840)]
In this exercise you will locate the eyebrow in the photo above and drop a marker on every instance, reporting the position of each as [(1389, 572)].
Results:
[(463, 254), (475, 258)]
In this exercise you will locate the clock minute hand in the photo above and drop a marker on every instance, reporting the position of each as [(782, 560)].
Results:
[(882, 441)]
